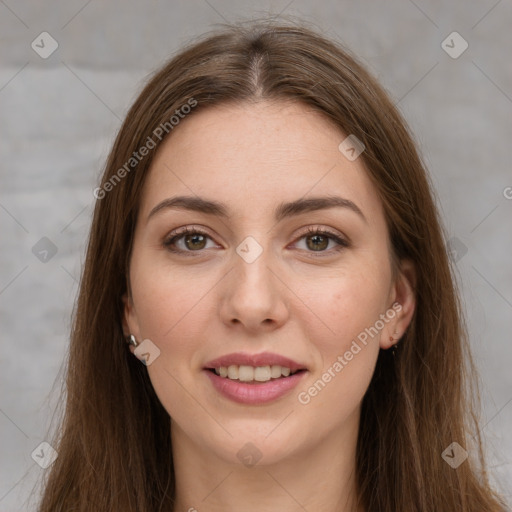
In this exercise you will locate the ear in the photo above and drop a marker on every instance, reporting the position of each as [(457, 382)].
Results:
[(402, 302), (130, 322)]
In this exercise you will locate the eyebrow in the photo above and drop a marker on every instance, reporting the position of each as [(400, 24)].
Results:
[(283, 210)]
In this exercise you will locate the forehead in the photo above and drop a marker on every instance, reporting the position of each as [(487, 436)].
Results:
[(252, 156)]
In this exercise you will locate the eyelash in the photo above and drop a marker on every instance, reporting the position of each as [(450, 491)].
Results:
[(171, 240)]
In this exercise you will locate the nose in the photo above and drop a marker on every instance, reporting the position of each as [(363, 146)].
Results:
[(254, 296)]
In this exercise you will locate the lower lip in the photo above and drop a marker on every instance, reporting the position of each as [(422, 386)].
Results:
[(257, 393)]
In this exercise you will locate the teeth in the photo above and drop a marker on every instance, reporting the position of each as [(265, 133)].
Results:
[(245, 373), (275, 371), (232, 372), (262, 373)]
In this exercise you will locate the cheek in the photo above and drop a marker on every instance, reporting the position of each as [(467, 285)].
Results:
[(169, 310), (335, 395), (166, 300), (347, 351), (349, 304)]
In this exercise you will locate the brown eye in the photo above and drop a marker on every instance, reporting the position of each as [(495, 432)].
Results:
[(191, 240), (196, 241), (317, 242)]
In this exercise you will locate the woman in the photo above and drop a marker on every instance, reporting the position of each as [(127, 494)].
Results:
[(267, 319)]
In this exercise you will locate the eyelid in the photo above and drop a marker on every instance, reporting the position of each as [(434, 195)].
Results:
[(182, 231), (335, 234), (190, 228), (342, 241)]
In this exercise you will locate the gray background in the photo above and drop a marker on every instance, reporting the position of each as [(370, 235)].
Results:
[(59, 116)]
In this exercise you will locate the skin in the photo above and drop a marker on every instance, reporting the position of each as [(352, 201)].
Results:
[(207, 302)]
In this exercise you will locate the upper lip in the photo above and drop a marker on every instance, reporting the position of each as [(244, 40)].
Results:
[(262, 359)]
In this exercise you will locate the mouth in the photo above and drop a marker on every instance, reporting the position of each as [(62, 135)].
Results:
[(254, 379), (254, 368)]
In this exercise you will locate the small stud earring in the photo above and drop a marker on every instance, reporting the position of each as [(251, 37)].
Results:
[(132, 341), (395, 346)]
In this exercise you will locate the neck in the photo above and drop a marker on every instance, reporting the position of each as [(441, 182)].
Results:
[(321, 477)]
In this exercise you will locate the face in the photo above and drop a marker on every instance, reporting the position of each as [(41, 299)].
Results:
[(265, 278)]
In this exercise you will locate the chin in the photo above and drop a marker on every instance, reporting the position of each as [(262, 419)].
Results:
[(253, 446)]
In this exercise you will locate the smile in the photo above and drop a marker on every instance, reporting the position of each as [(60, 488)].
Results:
[(245, 373), (254, 378)]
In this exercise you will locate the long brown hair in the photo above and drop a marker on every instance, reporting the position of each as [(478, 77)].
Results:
[(114, 441)]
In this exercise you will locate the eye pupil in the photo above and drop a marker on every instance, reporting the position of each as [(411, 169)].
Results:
[(315, 239), (194, 238)]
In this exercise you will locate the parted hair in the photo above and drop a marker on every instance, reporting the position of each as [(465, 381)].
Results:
[(113, 437)]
